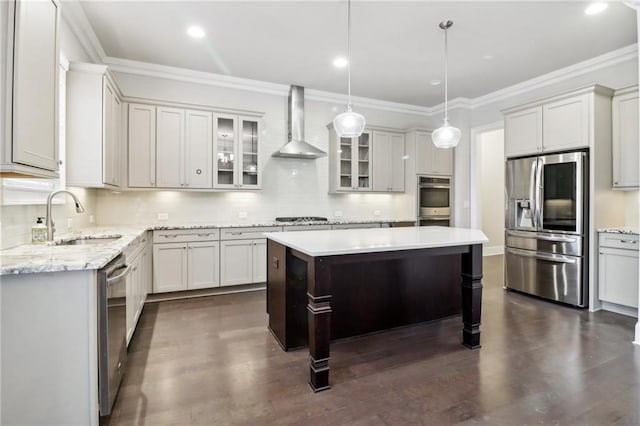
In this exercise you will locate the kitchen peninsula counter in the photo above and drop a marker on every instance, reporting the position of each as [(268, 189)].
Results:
[(327, 285)]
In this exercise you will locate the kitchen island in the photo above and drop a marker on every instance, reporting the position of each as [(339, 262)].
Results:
[(326, 285)]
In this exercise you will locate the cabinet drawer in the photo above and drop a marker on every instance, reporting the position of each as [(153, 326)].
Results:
[(186, 235), (247, 233), (356, 226), (621, 241), (305, 228)]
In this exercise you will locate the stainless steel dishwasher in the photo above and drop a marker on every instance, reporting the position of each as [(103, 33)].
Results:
[(112, 330)]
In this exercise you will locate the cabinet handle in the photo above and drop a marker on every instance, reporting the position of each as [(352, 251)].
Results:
[(236, 233), (184, 247), (628, 241), (204, 235), (152, 183), (615, 183), (144, 241), (169, 236)]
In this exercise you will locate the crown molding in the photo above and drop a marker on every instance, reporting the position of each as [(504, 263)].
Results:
[(572, 71), (74, 16)]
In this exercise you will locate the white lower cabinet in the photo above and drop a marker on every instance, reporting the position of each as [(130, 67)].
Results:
[(618, 270), (189, 263), (138, 283), (243, 261)]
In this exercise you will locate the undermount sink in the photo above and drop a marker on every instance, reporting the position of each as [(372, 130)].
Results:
[(88, 241)]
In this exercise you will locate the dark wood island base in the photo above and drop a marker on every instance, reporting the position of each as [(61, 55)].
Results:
[(313, 300)]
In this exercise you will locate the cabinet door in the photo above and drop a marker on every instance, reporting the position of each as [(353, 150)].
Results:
[(397, 162), (35, 84), (225, 130), (170, 147), (203, 264), (236, 262), (618, 276), (626, 141), (169, 267), (111, 136), (259, 261), (566, 124), (523, 132), (443, 161), (381, 161), (130, 286), (362, 162), (198, 149), (424, 153), (346, 167), (142, 146), (248, 153)]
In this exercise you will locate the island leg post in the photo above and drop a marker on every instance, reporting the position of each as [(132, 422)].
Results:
[(471, 296), (319, 318)]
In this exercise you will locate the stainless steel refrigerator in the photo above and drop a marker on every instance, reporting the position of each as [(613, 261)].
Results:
[(545, 226)]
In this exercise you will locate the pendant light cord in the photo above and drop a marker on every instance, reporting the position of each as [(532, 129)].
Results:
[(446, 74), (349, 55)]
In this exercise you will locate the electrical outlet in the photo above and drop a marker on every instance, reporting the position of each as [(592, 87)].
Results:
[(163, 216), (69, 222), (242, 215), (92, 219), (376, 212), (337, 213)]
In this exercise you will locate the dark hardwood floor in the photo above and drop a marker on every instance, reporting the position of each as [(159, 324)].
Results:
[(212, 361)]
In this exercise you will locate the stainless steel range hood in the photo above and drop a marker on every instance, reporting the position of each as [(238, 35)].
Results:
[(297, 147)]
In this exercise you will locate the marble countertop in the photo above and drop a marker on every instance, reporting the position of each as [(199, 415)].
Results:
[(621, 230), (352, 241), (53, 257)]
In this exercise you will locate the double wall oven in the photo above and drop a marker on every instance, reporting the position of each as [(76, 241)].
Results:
[(545, 226), (434, 201)]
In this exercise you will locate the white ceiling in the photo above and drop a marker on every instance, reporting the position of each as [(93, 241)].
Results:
[(397, 47)]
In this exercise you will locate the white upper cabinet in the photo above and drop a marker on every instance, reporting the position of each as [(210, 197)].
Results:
[(523, 131), (388, 161), (198, 157), (142, 146), (32, 116), (429, 159), (169, 147), (236, 147), (350, 165), (561, 123), (94, 127), (626, 142), (565, 124)]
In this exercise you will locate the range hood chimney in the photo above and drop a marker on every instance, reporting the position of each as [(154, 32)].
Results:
[(297, 147)]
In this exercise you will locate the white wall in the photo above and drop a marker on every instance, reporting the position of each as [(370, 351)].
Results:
[(632, 207), (491, 152), (290, 187)]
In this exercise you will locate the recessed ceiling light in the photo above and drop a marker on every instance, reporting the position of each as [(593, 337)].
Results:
[(340, 62), (487, 57), (195, 32), (435, 82), (595, 8)]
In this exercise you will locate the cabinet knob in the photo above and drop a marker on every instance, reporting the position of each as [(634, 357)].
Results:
[(152, 183), (198, 171), (616, 182)]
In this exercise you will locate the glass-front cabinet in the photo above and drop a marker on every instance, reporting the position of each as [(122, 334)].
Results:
[(354, 163), (236, 150)]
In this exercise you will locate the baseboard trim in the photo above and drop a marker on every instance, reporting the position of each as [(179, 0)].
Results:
[(190, 294), (620, 309), (493, 250)]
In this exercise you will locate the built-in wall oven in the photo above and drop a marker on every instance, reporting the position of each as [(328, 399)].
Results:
[(112, 330), (434, 201)]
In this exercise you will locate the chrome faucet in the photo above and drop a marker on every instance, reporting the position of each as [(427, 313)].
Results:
[(49, 221)]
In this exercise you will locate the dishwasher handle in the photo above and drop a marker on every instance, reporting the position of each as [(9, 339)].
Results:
[(111, 280)]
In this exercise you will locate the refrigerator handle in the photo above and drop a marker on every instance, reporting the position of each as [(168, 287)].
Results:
[(532, 194), (539, 188)]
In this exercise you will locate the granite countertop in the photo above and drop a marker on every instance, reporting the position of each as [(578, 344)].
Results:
[(621, 230), (53, 257), (351, 241)]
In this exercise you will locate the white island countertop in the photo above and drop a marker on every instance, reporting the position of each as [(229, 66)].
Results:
[(352, 241)]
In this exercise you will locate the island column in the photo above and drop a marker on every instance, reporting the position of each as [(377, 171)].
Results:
[(319, 319)]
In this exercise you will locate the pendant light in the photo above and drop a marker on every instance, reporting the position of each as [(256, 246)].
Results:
[(446, 136), (349, 124)]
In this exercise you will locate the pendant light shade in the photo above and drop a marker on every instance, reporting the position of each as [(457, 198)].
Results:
[(349, 124), (446, 136)]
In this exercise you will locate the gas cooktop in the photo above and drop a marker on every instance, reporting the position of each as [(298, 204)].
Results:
[(301, 219)]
